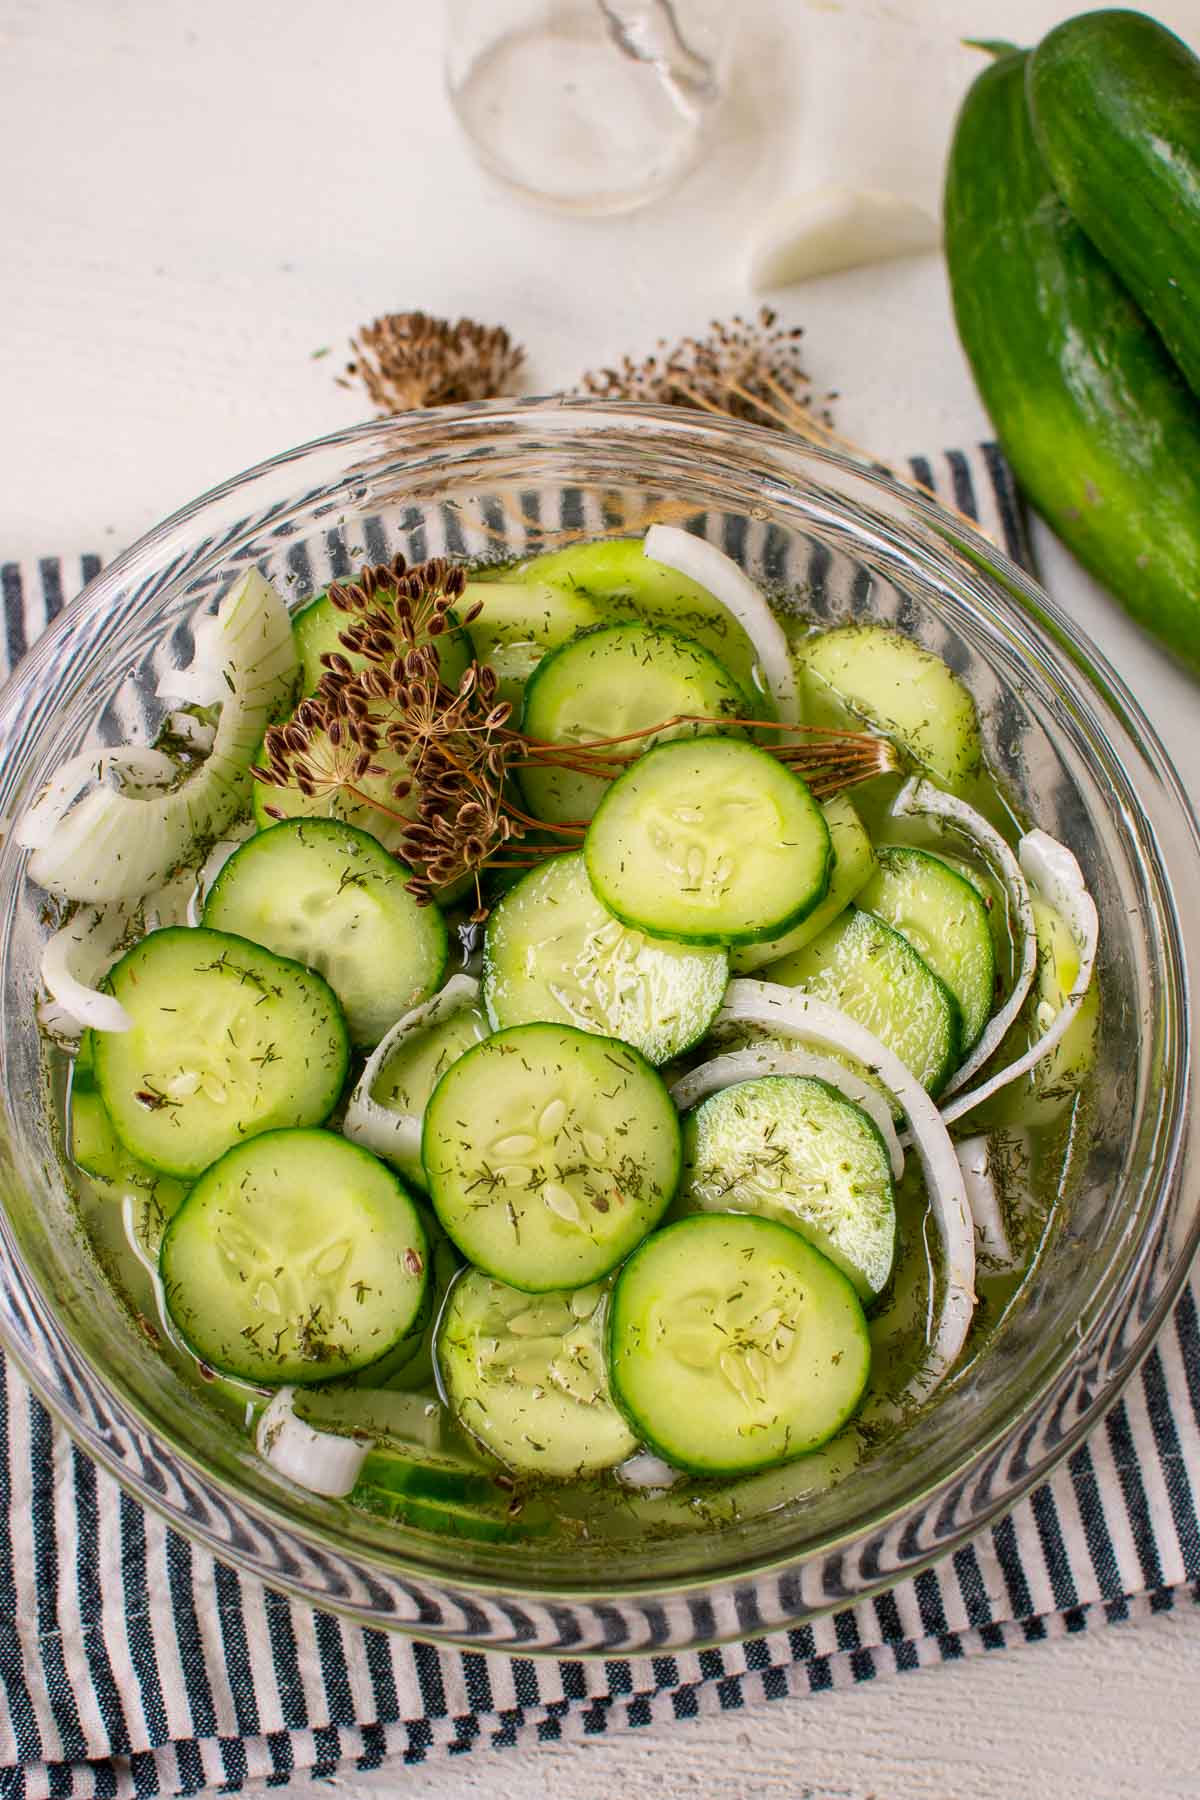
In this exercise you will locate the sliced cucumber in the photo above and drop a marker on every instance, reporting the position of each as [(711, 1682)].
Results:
[(318, 629), (552, 951), (521, 622), (942, 915), (852, 867), (868, 970), (607, 684), (525, 1375), (710, 841), (623, 583), (331, 897), (97, 1150), (295, 1258), (898, 688), (412, 1069), (228, 1040), (734, 1345), (549, 1153), (412, 1372), (791, 1148)]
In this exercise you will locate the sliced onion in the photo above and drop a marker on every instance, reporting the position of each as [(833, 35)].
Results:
[(1058, 879), (645, 1470), (377, 1128), (139, 765), (317, 1460), (991, 1235), (210, 868), (787, 1010), (747, 1065), (922, 797), (198, 734), (112, 846), (73, 960), (703, 563)]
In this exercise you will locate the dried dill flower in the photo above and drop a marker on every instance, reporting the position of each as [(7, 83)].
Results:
[(745, 368), (411, 359), (383, 731)]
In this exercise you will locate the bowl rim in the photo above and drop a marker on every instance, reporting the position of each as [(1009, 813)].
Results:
[(1108, 692)]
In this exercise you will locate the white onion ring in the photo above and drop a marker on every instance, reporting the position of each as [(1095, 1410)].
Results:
[(919, 796), (377, 1128), (755, 1061), (785, 1009), (148, 768), (113, 846), (991, 1236), (317, 1460), (703, 563), (1053, 870), (75, 958)]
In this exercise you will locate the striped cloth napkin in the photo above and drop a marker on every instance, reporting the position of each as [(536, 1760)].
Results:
[(133, 1664)]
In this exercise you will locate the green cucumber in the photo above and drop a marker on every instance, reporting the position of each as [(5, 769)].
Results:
[(942, 915), (332, 898), (868, 970), (552, 951), (734, 1345), (610, 683), (549, 1153), (296, 1257), (1115, 102), (519, 624), (1094, 416), (852, 867), (622, 582), (525, 1374), (227, 1040), (873, 675), (709, 841), (792, 1148)]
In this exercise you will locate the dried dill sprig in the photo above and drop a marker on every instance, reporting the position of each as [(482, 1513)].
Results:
[(412, 359), (381, 714), (744, 368)]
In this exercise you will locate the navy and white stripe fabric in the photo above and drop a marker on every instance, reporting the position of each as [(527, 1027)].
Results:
[(134, 1664)]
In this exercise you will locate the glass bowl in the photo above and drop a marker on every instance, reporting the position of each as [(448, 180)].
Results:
[(1062, 733)]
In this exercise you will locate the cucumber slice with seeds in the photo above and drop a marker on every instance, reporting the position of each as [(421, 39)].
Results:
[(884, 680), (791, 1148), (228, 1041), (734, 1345), (709, 841), (525, 1374), (553, 952), (941, 914), (861, 965), (331, 897), (549, 1153), (611, 682), (852, 867), (295, 1258)]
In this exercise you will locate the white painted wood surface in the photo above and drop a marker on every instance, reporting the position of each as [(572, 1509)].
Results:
[(196, 199)]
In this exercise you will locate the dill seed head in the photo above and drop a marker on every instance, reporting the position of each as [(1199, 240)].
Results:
[(411, 359), (745, 368)]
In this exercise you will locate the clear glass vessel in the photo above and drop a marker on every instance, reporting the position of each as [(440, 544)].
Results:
[(1061, 731), (588, 106)]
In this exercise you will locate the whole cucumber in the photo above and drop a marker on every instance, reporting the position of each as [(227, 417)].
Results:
[(1094, 416), (1115, 99)]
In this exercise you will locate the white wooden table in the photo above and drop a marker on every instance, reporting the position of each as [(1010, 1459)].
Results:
[(196, 200)]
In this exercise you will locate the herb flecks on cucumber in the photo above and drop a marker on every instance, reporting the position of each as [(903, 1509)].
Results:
[(709, 841)]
